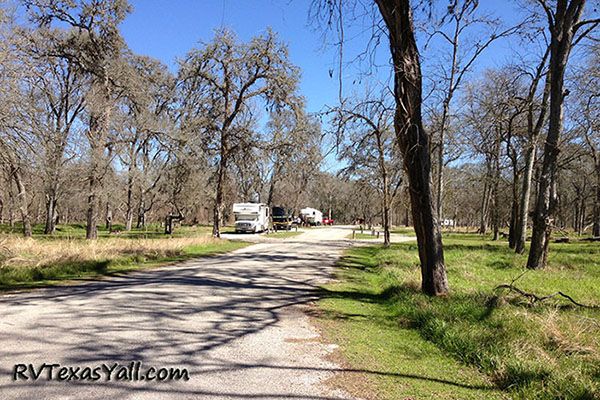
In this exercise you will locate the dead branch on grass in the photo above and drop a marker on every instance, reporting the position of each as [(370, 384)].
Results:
[(534, 298)]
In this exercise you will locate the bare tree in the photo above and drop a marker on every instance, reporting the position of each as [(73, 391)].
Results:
[(535, 123), (94, 45), (148, 96), (414, 141), (15, 131), (220, 84), (460, 20), (56, 94), (366, 126), (564, 24), (586, 114)]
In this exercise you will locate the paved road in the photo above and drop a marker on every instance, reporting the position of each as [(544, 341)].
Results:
[(234, 321)]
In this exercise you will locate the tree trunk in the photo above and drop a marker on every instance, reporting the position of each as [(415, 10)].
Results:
[(596, 226), (129, 203), (521, 227), (141, 213), (51, 214), (108, 217), (23, 203), (91, 229), (533, 131), (273, 181), (386, 192), (495, 190), (484, 207), (440, 155), (219, 198), (562, 31), (414, 142), (514, 211)]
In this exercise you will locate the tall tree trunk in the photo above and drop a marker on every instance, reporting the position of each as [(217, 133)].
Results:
[(23, 203), (484, 204), (108, 217), (141, 211), (273, 181), (50, 225), (219, 197), (11, 203), (129, 205), (533, 132), (514, 210), (596, 225), (414, 142), (521, 228), (386, 191), (440, 153), (91, 229), (98, 131), (495, 189), (562, 31)]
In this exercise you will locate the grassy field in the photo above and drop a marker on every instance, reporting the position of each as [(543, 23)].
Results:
[(478, 338), (77, 231), (284, 234), (49, 259)]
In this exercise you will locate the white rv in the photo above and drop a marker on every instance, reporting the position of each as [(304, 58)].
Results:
[(312, 216), (251, 217)]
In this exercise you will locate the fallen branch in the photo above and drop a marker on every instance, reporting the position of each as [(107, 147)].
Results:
[(534, 298)]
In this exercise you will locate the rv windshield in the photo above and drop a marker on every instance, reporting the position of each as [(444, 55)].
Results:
[(246, 217)]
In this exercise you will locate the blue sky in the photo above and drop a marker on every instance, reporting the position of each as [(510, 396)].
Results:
[(168, 29)]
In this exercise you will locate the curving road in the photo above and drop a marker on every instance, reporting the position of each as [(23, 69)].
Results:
[(235, 321)]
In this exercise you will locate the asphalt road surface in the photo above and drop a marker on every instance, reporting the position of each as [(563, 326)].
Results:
[(236, 322)]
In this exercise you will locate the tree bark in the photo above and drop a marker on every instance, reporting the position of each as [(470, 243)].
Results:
[(91, 229), (129, 202), (521, 227), (141, 216), (533, 134), (386, 191), (51, 201), (596, 225), (23, 203), (414, 141), (562, 30), (484, 203), (219, 196), (495, 189), (514, 211), (108, 218)]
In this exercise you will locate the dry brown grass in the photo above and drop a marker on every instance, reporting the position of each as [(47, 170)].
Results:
[(574, 335), (17, 251)]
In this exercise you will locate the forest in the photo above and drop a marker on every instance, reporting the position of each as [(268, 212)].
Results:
[(92, 132), (467, 136)]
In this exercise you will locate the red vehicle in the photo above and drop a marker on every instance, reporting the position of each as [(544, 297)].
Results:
[(327, 221)]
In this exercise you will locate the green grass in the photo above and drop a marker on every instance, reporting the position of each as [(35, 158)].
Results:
[(77, 231), (359, 235), (284, 234), (550, 351), (31, 274), (409, 231)]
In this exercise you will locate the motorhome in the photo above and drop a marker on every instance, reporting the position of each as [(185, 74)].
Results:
[(251, 217), (312, 216), (282, 218)]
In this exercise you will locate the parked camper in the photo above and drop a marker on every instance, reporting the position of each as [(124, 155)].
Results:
[(282, 218), (312, 216), (251, 217)]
